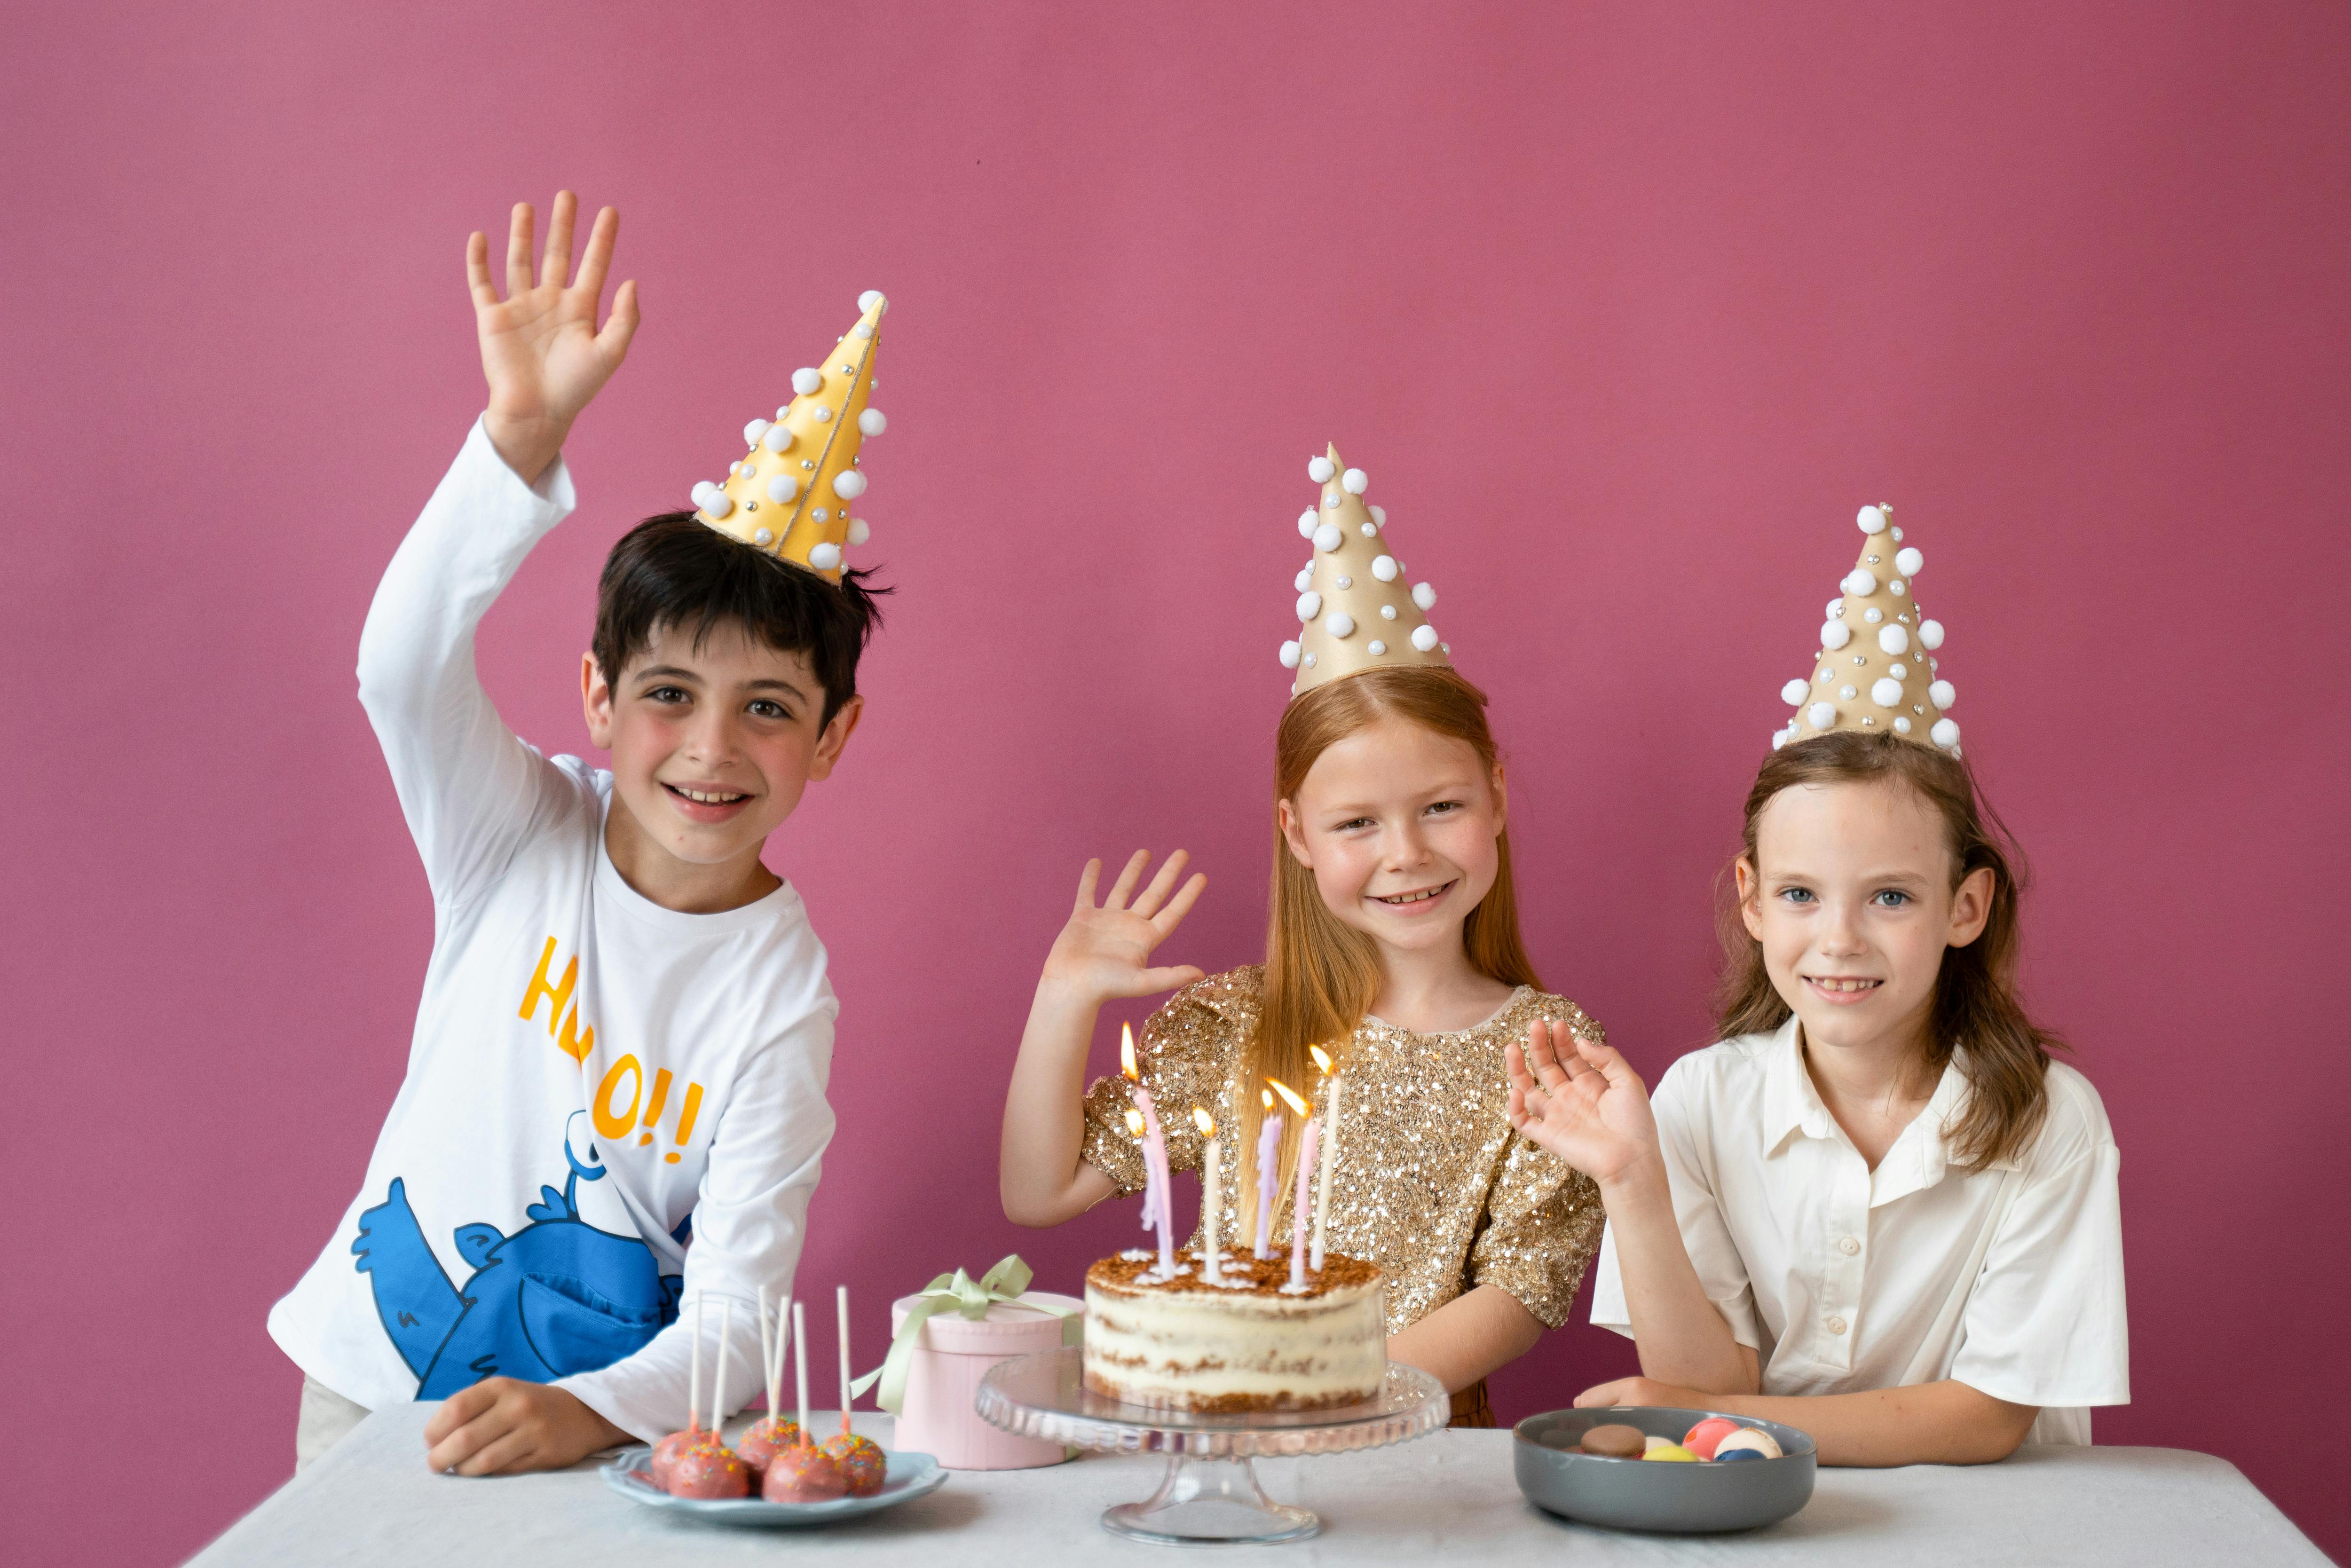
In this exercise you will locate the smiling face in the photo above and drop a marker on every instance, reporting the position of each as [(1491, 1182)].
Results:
[(711, 747), (1398, 825), (1850, 896)]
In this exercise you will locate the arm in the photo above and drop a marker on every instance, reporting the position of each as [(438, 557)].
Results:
[(470, 790), (1102, 954), (1470, 1336), (1946, 1423)]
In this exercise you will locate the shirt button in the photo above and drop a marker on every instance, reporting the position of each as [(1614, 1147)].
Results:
[(1848, 1247), (1836, 1325)]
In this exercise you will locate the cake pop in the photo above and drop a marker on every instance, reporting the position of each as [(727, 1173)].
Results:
[(802, 1473), (862, 1464), (667, 1451), (776, 1431), (709, 1469)]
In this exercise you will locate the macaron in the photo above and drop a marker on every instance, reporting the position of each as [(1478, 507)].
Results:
[(1614, 1442), (1725, 1455), (1673, 1453), (1751, 1439), (1701, 1438)]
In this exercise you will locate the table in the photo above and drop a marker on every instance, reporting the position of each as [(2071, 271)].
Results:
[(1446, 1497)]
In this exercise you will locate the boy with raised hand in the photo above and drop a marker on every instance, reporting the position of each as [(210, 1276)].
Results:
[(626, 1028)]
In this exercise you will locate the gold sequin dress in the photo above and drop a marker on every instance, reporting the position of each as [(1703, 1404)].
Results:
[(1431, 1183)]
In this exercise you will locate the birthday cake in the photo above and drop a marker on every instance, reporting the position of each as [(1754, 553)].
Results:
[(1249, 1342)]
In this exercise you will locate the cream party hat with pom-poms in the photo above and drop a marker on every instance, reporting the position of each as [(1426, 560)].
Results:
[(1876, 669), (1355, 611), (790, 495)]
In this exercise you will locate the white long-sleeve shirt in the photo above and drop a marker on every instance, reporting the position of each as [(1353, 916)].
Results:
[(1841, 1278), (593, 1077)]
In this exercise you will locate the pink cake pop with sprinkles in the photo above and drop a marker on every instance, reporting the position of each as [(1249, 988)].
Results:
[(802, 1473), (863, 1465), (666, 1451), (776, 1431), (709, 1469)]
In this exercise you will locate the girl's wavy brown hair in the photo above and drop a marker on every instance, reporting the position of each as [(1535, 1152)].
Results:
[(2006, 1059), (1322, 975)]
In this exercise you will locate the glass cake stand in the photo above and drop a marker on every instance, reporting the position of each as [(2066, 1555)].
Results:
[(1210, 1494)]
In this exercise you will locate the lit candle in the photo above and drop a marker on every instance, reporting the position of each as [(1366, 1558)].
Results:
[(1298, 1198), (1154, 1152), (1269, 1155), (1211, 1195), (1330, 1153), (1150, 1178)]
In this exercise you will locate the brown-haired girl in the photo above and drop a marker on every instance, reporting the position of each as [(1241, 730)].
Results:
[(1878, 1210), (1392, 945)]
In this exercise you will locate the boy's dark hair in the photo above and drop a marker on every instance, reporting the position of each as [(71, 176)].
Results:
[(675, 571)]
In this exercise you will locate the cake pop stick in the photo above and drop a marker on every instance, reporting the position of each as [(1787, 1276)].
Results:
[(776, 1366), (719, 1373), (800, 1363), (841, 1311), (766, 1353), (693, 1379)]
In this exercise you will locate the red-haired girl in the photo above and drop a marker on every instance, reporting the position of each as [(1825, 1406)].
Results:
[(1392, 944), (1878, 1211)]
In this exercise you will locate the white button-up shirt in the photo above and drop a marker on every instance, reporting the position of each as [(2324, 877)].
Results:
[(2008, 1278)]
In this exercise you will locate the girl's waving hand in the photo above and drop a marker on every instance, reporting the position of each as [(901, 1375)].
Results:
[(1580, 1101), (1106, 949)]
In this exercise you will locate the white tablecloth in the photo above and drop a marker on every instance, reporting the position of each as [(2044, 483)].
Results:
[(1448, 1496)]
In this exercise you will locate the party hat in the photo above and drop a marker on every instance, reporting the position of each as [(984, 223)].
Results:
[(1877, 668), (1355, 611), (790, 495)]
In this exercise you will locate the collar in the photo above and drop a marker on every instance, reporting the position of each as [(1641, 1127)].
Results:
[(1920, 1156)]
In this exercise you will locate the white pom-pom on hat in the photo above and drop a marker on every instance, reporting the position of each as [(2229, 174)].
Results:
[(1306, 522), (703, 491), (1778, 738), (849, 483), (1793, 693), (869, 298), (1945, 734), (1940, 694), (1930, 635), (1289, 655), (1819, 716), (1379, 516), (1907, 561), (775, 437), (1425, 596), (873, 422), (1835, 634), (1320, 470), (1424, 637), (1861, 582), (806, 380), (1339, 623), (1894, 639), (719, 504), (1309, 605), (1870, 520), (1354, 481), (859, 532), (825, 557), (782, 488), (1304, 579), (753, 430), (1327, 537), (1886, 692), (1384, 567)]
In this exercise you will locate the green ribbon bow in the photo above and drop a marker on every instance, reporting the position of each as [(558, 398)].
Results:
[(972, 1298)]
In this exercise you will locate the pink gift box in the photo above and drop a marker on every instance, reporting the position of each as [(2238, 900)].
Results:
[(951, 1354)]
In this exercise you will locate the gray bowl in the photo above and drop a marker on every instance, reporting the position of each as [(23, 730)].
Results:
[(1649, 1494)]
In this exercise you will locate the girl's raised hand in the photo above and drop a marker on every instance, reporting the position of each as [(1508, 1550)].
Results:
[(1106, 949), (1580, 1101), (542, 352)]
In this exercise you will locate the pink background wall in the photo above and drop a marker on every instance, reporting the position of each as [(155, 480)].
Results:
[(1622, 308)]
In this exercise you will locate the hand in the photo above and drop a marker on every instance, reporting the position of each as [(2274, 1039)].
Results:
[(541, 352), (1104, 952), (1645, 1391), (503, 1427), (1582, 1101)]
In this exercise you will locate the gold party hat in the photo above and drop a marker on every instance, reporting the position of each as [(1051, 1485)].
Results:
[(790, 496), (1352, 601), (1877, 668)]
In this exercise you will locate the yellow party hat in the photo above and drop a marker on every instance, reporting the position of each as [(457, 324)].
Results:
[(790, 495), (1876, 669), (1354, 611)]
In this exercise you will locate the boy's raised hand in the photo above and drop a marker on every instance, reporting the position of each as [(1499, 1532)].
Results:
[(542, 352), (1580, 1101), (1104, 951)]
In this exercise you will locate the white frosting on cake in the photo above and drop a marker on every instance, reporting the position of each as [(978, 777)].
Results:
[(1195, 1347)]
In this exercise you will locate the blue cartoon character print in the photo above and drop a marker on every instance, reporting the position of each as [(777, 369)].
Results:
[(556, 1297)]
